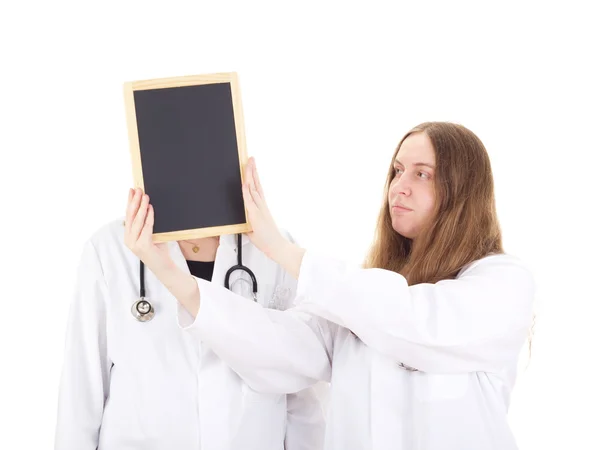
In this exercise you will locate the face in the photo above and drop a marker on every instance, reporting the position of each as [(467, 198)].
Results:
[(411, 194)]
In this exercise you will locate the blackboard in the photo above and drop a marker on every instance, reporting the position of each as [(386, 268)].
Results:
[(188, 150)]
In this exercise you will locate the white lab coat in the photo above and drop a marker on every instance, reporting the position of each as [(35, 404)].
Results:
[(133, 385), (463, 336)]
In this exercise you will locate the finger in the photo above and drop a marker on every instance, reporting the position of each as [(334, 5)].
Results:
[(129, 196), (256, 213), (132, 208), (257, 179), (248, 200), (252, 182), (259, 198), (256, 198), (140, 218), (250, 175), (246, 194), (146, 234)]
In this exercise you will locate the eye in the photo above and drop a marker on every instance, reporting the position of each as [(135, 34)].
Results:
[(423, 175), (397, 170)]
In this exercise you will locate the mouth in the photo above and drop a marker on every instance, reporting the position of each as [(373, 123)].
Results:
[(399, 209)]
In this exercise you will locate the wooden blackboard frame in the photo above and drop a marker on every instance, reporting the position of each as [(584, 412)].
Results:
[(134, 144)]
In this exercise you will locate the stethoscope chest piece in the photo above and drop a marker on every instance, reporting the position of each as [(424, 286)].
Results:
[(142, 310)]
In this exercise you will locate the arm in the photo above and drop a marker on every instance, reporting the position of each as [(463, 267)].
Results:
[(477, 322), (271, 350), (86, 370)]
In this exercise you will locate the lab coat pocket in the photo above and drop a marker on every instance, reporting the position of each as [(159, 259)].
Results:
[(440, 387)]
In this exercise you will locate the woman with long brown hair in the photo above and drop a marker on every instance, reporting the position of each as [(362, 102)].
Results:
[(421, 344)]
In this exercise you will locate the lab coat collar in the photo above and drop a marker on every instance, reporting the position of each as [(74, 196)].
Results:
[(228, 241)]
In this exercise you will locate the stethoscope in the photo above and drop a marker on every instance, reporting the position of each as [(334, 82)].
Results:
[(143, 310)]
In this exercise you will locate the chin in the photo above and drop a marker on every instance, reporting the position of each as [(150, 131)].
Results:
[(404, 231), (406, 235)]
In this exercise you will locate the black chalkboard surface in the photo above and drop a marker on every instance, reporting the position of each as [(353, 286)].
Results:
[(188, 150)]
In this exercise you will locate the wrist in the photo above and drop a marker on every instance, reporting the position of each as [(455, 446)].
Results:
[(289, 256), (169, 275), (279, 249), (183, 286)]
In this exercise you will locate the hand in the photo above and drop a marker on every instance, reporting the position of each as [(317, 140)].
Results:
[(265, 234), (139, 223)]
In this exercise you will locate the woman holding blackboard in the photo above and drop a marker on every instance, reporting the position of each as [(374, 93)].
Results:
[(421, 345)]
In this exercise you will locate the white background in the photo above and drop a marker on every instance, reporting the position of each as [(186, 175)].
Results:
[(328, 89)]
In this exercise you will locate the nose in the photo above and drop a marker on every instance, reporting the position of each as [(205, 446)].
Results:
[(400, 186)]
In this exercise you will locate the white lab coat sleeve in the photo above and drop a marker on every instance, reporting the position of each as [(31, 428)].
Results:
[(86, 370), (477, 322), (272, 351)]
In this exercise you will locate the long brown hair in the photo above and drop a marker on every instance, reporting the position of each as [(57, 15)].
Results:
[(464, 226)]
